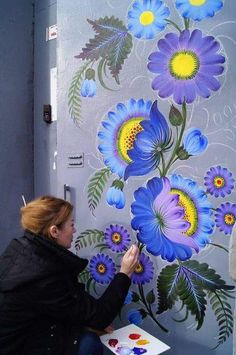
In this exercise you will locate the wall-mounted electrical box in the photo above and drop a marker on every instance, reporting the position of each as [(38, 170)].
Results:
[(47, 113)]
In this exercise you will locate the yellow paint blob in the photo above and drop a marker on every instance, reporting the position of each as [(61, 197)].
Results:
[(146, 18), (142, 342)]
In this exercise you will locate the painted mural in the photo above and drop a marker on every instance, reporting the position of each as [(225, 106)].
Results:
[(172, 216)]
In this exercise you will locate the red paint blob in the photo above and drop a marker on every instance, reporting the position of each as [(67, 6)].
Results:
[(113, 342), (134, 336)]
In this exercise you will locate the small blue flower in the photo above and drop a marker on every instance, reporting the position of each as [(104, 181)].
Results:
[(135, 317), (88, 88), (129, 298), (147, 18), (198, 9), (115, 195), (195, 142)]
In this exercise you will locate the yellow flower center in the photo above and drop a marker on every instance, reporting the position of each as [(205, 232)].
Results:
[(184, 65), (197, 2), (146, 18), (101, 268), (116, 238), (139, 268), (229, 219), (219, 181), (190, 211), (126, 137)]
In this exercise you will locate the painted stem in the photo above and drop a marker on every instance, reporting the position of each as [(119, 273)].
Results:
[(148, 308), (178, 142), (173, 24)]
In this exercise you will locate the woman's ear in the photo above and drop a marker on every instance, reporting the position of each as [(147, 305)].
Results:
[(53, 231)]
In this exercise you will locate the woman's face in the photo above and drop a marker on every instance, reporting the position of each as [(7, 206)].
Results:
[(65, 233)]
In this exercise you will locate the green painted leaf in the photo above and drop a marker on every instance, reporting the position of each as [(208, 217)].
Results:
[(74, 97), (189, 282), (84, 276), (223, 313), (112, 42), (96, 186), (88, 238), (151, 297)]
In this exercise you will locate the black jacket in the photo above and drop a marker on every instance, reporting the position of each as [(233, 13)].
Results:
[(42, 306)]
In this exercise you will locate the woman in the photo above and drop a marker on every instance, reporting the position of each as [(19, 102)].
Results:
[(43, 307)]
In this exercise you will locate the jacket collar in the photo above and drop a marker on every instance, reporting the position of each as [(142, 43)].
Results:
[(64, 256)]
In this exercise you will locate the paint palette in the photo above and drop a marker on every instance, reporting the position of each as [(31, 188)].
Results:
[(131, 340)]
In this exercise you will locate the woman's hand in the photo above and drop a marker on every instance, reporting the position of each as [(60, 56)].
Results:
[(107, 330), (130, 260)]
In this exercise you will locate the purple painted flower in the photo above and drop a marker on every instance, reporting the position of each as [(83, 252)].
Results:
[(225, 217), (117, 238), (195, 142), (186, 66), (135, 317), (143, 272), (219, 181), (102, 268)]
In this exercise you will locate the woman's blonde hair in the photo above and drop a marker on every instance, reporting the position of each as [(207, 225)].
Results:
[(42, 213)]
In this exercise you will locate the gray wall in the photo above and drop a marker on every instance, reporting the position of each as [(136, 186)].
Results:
[(16, 113), (44, 134), (215, 117)]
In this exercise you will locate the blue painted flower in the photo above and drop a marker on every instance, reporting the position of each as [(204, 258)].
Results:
[(88, 88), (119, 133), (226, 217), (115, 195), (117, 238), (195, 142), (129, 298), (219, 181), (198, 9), (102, 268), (147, 18), (143, 272), (186, 66), (149, 144), (135, 317), (160, 221)]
